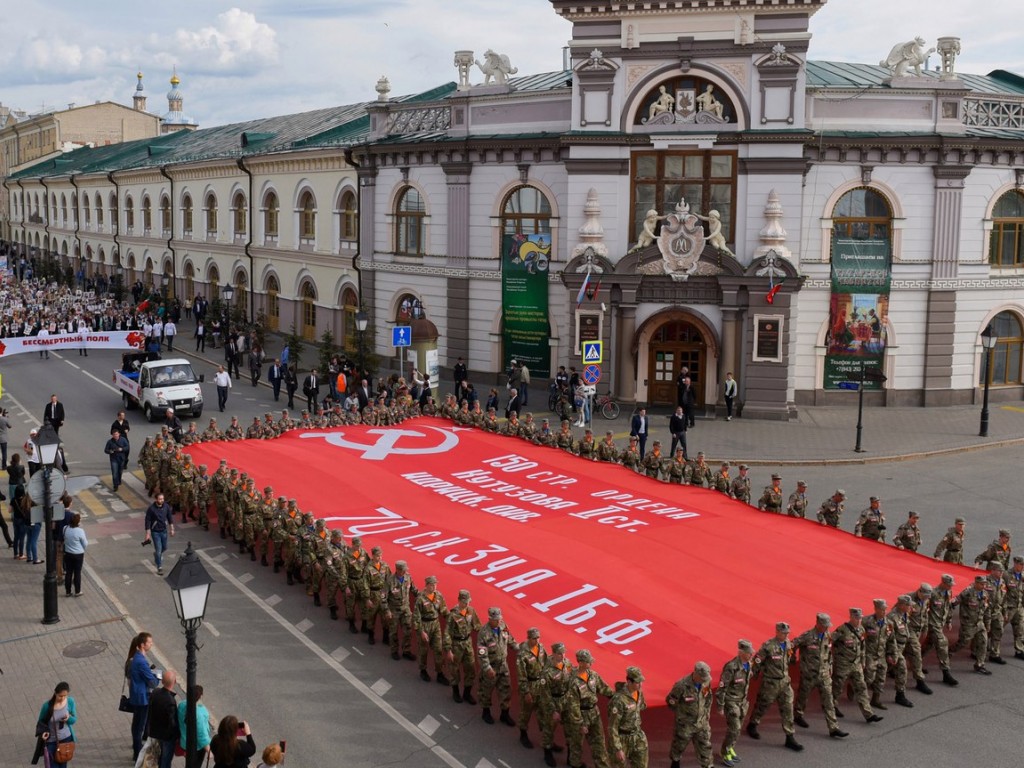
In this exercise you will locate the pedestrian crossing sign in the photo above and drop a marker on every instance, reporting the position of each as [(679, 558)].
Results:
[(593, 352)]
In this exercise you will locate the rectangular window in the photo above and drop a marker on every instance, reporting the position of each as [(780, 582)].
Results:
[(705, 179), (270, 222)]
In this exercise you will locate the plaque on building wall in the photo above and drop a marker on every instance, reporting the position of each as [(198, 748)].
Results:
[(768, 338), (588, 328)]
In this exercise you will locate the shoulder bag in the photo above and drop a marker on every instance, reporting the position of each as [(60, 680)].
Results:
[(65, 751), (124, 705)]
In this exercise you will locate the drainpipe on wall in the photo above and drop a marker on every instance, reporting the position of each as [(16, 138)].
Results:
[(170, 237), (46, 219), (115, 222), (248, 244), (78, 238)]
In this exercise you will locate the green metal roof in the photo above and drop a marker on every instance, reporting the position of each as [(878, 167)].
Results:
[(840, 74)]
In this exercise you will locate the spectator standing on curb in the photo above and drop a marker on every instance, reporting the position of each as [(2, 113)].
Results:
[(275, 375), (117, 449), (677, 426), (459, 374), (5, 426), (202, 726), (75, 544), (141, 681), (255, 363), (170, 331), (159, 523), (54, 725), (162, 718), (223, 381), (200, 336), (731, 388), (229, 750), (291, 382)]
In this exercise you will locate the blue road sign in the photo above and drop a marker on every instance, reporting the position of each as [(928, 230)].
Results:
[(401, 336), (849, 385), (593, 352), (592, 374)]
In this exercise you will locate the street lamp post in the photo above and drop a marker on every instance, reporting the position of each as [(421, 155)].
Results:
[(48, 442), (362, 320), (190, 585), (165, 281), (227, 293), (988, 341)]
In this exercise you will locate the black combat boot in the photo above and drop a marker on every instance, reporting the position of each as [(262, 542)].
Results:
[(334, 612), (252, 553), (223, 533), (799, 720), (838, 734), (456, 696), (752, 731), (424, 676), (386, 635), (838, 713), (370, 637), (316, 599), (352, 627), (277, 565), (674, 764), (874, 719), (395, 656), (442, 680), (263, 561), (467, 694), (902, 700), (363, 627), (923, 687), (524, 739), (506, 718), (486, 717), (792, 743), (241, 548), (996, 659), (549, 757), (948, 679), (291, 578)]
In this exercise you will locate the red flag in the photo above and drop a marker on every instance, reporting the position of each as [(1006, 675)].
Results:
[(770, 296), (143, 306)]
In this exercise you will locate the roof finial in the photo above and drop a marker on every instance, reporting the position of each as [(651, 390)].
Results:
[(174, 77)]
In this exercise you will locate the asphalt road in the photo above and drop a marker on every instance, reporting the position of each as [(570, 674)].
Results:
[(275, 660)]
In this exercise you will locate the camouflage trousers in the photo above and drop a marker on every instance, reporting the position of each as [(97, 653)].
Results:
[(589, 719), (264, 532), (151, 478), (529, 701), (1016, 621), (463, 668), (432, 643), (237, 524), (401, 618), (974, 636), (853, 674), (290, 553), (775, 691), (250, 525), (186, 499), (204, 510), (912, 654), (900, 671), (995, 634), (735, 713), (333, 583), (355, 596), (875, 670), (546, 717), (824, 685), (315, 578), (280, 538), (938, 639), (372, 608), (634, 747), (501, 682), (686, 733)]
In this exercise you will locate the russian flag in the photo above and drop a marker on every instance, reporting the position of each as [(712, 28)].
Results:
[(583, 291)]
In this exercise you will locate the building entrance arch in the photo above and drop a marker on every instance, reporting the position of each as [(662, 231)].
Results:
[(668, 342)]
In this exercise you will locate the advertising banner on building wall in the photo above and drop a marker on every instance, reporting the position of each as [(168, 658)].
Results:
[(524, 299), (858, 310)]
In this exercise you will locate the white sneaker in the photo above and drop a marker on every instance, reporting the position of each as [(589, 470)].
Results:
[(728, 418)]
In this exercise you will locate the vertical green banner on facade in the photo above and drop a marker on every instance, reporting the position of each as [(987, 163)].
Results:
[(524, 300), (858, 310)]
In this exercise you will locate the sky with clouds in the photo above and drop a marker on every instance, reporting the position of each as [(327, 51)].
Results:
[(243, 59)]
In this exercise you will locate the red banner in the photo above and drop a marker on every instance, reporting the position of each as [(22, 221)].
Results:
[(17, 345), (596, 556)]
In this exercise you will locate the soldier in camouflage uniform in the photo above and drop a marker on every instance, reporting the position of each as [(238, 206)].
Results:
[(149, 461), (212, 433), (554, 704), (531, 658), (998, 551), (492, 645), (286, 423), (218, 489), (832, 509), (253, 516), (876, 639), (292, 551), (772, 663), (1014, 608), (973, 603), (191, 436), (630, 457), (940, 618), (355, 594), (951, 547), (584, 715), (234, 430), (848, 663), (461, 623), (606, 450), (307, 548), (321, 555), (691, 700), (185, 485), (528, 429), (491, 421), (255, 430), (586, 448), (732, 698), (771, 499), (564, 438), (698, 472), (544, 435), (476, 415), (677, 468), (427, 610), (797, 506), (375, 576), (871, 523), (625, 726), (996, 616), (279, 532), (721, 481), (511, 426), (654, 462), (908, 535), (896, 646), (740, 489), (268, 505), (815, 649), (335, 576), (918, 622), (400, 591), (202, 496), (164, 470)]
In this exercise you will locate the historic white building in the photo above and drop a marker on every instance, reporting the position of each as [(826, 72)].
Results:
[(695, 189)]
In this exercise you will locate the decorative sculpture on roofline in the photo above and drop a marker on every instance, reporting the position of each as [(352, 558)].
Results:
[(686, 107), (909, 55), (680, 241), (496, 68)]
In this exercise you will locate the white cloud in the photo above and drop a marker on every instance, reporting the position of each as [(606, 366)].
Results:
[(237, 41)]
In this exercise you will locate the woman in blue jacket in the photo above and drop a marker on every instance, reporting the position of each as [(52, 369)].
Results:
[(56, 717), (141, 681)]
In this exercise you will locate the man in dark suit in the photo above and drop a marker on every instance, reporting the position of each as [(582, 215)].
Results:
[(121, 425), (291, 383), (459, 374), (689, 401), (54, 413), (275, 376), (311, 389), (363, 394), (677, 426), (640, 427), (513, 403)]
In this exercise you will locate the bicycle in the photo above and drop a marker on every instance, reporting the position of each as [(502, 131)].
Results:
[(608, 407), (558, 401)]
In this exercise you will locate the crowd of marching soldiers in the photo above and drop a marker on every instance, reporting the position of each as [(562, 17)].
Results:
[(859, 654)]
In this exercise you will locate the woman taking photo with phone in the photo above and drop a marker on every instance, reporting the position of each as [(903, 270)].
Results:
[(53, 728), (233, 745)]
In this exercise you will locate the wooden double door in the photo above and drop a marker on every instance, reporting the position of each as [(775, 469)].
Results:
[(675, 344)]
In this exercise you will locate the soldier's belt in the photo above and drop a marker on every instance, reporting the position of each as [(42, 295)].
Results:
[(532, 679), (586, 707), (626, 733), (462, 639), (428, 618), (557, 695)]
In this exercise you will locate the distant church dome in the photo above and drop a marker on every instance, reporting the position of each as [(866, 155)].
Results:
[(176, 119)]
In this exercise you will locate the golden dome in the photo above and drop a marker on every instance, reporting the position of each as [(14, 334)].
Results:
[(174, 79)]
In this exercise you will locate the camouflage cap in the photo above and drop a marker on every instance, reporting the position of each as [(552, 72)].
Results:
[(874, 498), (320, 523), (856, 613), (376, 551), (880, 603), (234, 471), (913, 514), (702, 670), (776, 476), (745, 645), (494, 612), (996, 567), (700, 454), (202, 467), (401, 565), (337, 534), (584, 655), (905, 600), (1018, 560), (725, 465), (223, 462), (824, 619), (282, 498), (801, 483), (656, 442), (533, 633), (463, 594), (744, 467), (979, 579), (959, 521), (781, 626), (948, 580), (428, 580), (632, 438), (558, 647), (269, 489), (925, 587), (1004, 532), (357, 541), (149, 439), (634, 675)]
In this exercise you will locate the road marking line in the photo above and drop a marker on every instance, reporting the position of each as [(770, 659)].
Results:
[(107, 519), (245, 578), (73, 365), (121, 536), (272, 600), (381, 687), (428, 725), (89, 500), (303, 626), (213, 630), (221, 557), (103, 383), (346, 674), (340, 653)]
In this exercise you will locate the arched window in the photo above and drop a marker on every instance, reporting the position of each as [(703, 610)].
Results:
[(241, 286), (273, 288), (239, 213), (410, 223), (271, 209), (74, 209), (308, 294), (1006, 247), (1005, 367), (347, 209), (526, 212), (211, 216), (64, 210), (186, 215), (862, 214), (307, 218), (99, 213), (213, 278), (349, 308), (190, 282), (112, 205), (147, 214), (165, 214), (129, 214), (86, 212)]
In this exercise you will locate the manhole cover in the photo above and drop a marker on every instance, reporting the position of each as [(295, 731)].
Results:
[(85, 649)]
